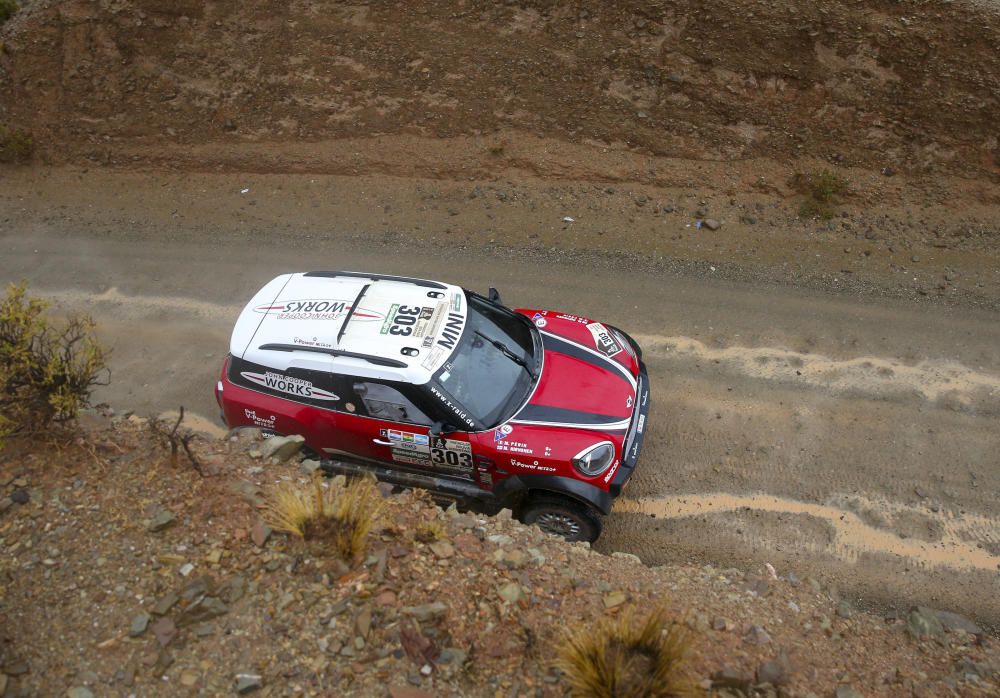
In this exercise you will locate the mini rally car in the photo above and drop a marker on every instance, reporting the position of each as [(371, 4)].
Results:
[(425, 384)]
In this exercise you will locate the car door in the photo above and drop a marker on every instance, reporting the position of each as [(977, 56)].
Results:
[(393, 429)]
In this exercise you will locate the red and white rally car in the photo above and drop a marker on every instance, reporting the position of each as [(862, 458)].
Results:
[(425, 384)]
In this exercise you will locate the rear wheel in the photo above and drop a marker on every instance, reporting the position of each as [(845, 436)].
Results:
[(562, 517)]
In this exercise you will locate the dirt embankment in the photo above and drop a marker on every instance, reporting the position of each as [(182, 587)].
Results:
[(910, 86), (113, 587)]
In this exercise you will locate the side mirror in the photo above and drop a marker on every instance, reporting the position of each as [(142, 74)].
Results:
[(494, 295)]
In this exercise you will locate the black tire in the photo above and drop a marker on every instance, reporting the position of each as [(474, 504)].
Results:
[(562, 517)]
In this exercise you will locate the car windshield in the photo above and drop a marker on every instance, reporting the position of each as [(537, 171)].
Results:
[(494, 365)]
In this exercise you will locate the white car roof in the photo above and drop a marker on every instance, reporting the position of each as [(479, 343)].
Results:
[(301, 316)]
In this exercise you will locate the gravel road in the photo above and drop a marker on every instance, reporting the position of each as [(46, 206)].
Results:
[(853, 439)]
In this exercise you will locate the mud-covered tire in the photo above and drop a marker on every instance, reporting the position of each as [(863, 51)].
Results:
[(562, 517)]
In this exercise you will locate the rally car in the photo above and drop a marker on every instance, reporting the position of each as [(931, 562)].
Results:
[(426, 384)]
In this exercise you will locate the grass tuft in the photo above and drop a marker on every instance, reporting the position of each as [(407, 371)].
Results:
[(332, 520), (7, 10), (430, 531), (822, 191), (624, 658)]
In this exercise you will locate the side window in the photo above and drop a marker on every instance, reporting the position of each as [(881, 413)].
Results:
[(385, 402)]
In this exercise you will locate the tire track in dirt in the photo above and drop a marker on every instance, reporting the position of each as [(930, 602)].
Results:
[(853, 537), (870, 376)]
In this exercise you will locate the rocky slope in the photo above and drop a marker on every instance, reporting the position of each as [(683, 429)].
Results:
[(124, 575)]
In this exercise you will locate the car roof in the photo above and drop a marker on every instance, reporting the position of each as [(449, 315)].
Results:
[(309, 320)]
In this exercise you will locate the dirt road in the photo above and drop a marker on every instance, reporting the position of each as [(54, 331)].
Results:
[(847, 437)]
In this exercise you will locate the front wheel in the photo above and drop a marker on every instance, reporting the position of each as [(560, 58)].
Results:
[(562, 517)]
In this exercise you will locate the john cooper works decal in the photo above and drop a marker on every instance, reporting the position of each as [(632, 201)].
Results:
[(287, 384), (316, 309), (605, 342)]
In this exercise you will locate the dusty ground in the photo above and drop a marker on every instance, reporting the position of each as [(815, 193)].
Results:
[(119, 588), (826, 391)]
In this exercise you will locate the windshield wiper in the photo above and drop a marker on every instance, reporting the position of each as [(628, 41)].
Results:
[(505, 350)]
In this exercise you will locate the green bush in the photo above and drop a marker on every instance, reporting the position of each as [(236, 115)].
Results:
[(822, 192), (47, 373), (7, 10), (16, 145)]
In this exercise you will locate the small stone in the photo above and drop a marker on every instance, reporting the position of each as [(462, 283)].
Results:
[(512, 592), (247, 683), (260, 533), (386, 598), (711, 224), (452, 655), (79, 692), (165, 603), (164, 630), (442, 549), (16, 668), (186, 569), (309, 466), (138, 626), (772, 672), (844, 691), (626, 556), (213, 557), (281, 448), (205, 608), (614, 598), (20, 496), (427, 611), (953, 621), (924, 622), (721, 624), (757, 635), (408, 692), (189, 678), (731, 677), (163, 520), (915, 258), (844, 610)]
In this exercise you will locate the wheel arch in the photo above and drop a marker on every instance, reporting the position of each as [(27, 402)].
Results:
[(518, 489)]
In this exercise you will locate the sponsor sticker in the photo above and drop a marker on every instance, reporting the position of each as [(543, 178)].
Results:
[(452, 445), (407, 441), (409, 457), (456, 302), (539, 320), (628, 402), (266, 422), (533, 465), (502, 432), (433, 357), (642, 423), (605, 342), (288, 384), (315, 309), (514, 447)]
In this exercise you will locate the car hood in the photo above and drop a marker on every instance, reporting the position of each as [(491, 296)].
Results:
[(588, 377)]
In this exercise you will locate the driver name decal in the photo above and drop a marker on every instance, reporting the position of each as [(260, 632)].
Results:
[(288, 384)]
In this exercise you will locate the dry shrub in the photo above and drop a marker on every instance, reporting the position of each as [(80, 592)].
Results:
[(336, 519), (623, 658), (822, 192), (47, 373), (16, 145)]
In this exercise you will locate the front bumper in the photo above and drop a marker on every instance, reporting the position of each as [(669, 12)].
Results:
[(636, 433)]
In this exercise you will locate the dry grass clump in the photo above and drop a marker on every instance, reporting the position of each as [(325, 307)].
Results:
[(623, 658), (335, 519), (429, 531)]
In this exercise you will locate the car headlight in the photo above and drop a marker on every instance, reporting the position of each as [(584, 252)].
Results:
[(596, 459)]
